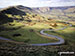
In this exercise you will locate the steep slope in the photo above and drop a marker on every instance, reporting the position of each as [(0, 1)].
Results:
[(18, 10), (10, 11), (26, 9)]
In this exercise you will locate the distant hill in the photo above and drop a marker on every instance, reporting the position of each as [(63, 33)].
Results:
[(42, 9), (62, 8), (49, 10), (22, 10)]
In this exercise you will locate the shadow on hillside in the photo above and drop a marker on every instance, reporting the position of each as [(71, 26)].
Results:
[(13, 11), (4, 19)]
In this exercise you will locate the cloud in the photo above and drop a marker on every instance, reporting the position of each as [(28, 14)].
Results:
[(67, 1), (37, 3)]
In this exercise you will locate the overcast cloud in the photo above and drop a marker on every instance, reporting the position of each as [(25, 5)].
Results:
[(37, 3)]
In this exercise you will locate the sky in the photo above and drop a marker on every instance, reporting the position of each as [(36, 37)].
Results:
[(37, 3)]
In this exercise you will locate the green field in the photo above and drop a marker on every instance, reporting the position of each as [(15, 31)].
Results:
[(26, 35), (29, 29)]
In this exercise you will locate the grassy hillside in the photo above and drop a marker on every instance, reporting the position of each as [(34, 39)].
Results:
[(66, 13), (24, 25), (68, 34)]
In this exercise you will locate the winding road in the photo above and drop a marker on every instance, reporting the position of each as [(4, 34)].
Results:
[(61, 40)]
